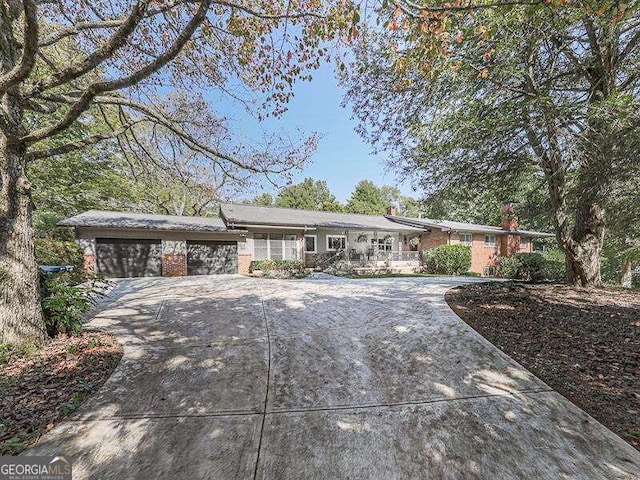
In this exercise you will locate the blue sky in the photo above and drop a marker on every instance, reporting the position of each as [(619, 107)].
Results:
[(342, 157)]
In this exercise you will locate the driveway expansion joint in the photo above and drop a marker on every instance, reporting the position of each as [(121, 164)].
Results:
[(266, 393)]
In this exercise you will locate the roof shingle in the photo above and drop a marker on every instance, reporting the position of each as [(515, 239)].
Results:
[(104, 219), (241, 214)]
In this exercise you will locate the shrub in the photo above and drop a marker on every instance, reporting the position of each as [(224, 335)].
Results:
[(555, 268), (60, 252), (448, 259), (279, 268), (265, 266), (530, 267), (64, 304), (472, 274)]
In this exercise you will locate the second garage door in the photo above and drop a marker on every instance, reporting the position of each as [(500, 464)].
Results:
[(211, 257)]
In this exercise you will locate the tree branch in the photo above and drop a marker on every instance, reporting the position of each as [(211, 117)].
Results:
[(29, 50), (90, 62), (102, 23), (78, 144), (416, 10), (87, 97), (188, 139)]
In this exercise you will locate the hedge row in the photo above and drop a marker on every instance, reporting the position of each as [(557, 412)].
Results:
[(282, 268)]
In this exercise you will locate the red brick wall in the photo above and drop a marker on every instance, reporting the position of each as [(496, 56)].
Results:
[(482, 256), (89, 263), (509, 244), (244, 263), (432, 239), (174, 265)]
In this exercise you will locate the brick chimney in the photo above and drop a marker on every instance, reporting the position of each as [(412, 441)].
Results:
[(509, 244), (391, 211), (509, 217)]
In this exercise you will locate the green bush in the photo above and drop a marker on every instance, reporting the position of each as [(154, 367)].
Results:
[(60, 252), (279, 268), (530, 267), (555, 268), (448, 259), (265, 266), (64, 304)]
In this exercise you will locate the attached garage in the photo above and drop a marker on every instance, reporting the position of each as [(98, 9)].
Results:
[(123, 257), (211, 257), (124, 244)]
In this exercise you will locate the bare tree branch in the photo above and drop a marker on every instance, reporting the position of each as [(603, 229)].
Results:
[(87, 97), (78, 144), (29, 50), (90, 62)]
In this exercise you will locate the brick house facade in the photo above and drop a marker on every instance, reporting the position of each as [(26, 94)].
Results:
[(123, 244)]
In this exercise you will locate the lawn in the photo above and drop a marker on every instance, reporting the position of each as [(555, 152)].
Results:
[(584, 343), (39, 388)]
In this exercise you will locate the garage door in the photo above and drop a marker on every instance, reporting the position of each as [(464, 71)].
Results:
[(211, 258), (120, 257)]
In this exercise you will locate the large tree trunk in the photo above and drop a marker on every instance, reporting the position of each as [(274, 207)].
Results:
[(584, 250), (627, 274), (21, 319)]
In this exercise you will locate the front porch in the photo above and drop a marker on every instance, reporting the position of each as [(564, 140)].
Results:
[(365, 251), (383, 262)]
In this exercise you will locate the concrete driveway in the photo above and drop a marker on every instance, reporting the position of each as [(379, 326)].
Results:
[(237, 378)]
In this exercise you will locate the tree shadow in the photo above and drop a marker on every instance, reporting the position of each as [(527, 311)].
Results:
[(367, 379)]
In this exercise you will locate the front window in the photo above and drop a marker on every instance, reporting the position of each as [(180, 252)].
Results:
[(275, 246), (382, 244), (524, 242), (310, 243), (489, 240), (466, 239), (336, 242), (276, 250), (261, 246), (291, 247)]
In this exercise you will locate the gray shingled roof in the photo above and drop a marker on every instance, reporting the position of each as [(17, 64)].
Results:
[(241, 214), (104, 219), (447, 225)]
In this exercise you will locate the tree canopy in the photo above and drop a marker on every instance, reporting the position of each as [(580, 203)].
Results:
[(367, 199), (309, 194), (119, 62), (464, 94)]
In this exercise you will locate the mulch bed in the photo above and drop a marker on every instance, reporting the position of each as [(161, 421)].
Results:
[(39, 388), (584, 343)]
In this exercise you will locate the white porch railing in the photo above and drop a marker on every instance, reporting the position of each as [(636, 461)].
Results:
[(379, 256)]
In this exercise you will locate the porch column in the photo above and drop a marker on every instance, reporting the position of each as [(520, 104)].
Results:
[(346, 244)]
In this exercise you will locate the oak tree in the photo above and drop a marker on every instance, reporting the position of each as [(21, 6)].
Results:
[(467, 91), (120, 59)]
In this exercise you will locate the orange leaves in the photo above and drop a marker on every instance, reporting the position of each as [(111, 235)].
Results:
[(488, 54), (459, 38), (483, 32)]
